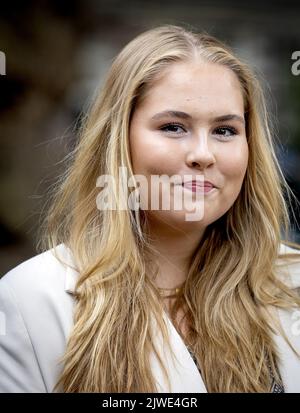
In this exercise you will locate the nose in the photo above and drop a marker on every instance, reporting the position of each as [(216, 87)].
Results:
[(200, 154)]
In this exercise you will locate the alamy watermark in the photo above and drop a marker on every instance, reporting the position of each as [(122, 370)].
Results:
[(296, 65), (2, 63), (176, 192)]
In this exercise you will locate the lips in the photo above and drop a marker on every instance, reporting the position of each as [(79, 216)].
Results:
[(199, 187), (196, 184)]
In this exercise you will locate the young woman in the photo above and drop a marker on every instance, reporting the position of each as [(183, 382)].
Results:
[(144, 299)]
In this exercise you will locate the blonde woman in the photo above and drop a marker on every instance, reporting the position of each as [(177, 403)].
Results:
[(144, 299)]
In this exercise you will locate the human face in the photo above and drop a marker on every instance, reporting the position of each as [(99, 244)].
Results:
[(199, 144)]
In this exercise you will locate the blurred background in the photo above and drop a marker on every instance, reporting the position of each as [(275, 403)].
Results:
[(56, 55)]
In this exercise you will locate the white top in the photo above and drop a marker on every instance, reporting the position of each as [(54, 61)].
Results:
[(36, 317)]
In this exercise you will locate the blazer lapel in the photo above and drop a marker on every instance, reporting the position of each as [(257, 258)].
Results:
[(289, 363), (182, 371)]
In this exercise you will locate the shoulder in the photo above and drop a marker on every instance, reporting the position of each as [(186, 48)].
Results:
[(37, 315), (288, 267), (38, 286), (40, 271)]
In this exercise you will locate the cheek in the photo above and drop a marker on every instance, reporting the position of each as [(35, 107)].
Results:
[(152, 156), (233, 161)]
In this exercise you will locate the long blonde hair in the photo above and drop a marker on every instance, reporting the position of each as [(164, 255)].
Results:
[(232, 280)]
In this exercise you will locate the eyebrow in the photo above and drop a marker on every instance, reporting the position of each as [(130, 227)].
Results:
[(183, 115)]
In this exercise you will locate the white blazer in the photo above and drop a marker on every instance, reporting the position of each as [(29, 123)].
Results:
[(36, 309)]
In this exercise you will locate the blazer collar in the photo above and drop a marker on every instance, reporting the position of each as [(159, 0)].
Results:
[(71, 273), (70, 280)]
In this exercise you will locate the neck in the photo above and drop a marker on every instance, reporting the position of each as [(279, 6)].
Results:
[(174, 250)]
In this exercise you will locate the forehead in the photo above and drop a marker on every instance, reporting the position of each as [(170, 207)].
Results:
[(198, 86)]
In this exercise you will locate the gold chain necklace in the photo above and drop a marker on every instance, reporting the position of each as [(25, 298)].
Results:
[(175, 291)]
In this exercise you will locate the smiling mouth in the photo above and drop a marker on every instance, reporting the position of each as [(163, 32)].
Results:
[(198, 188)]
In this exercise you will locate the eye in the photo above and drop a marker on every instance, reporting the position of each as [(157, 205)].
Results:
[(226, 131), (167, 127)]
